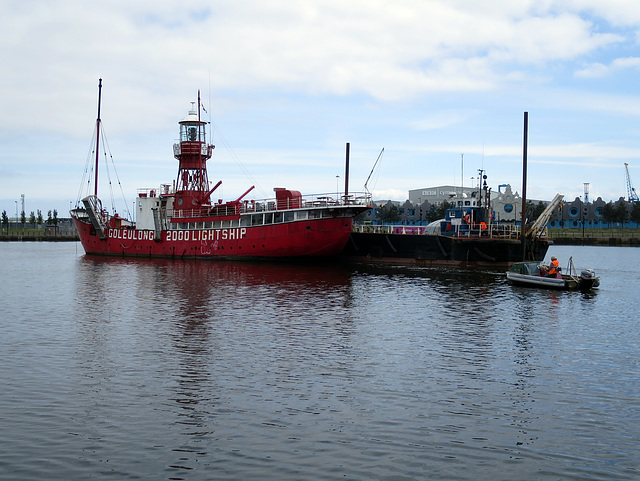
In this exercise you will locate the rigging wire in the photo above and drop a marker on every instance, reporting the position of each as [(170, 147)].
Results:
[(237, 159), (115, 171), (88, 174), (216, 129), (88, 170)]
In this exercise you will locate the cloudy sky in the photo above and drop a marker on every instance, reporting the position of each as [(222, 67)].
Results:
[(287, 83)]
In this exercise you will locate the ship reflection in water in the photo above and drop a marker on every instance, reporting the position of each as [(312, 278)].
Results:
[(168, 369), (228, 342)]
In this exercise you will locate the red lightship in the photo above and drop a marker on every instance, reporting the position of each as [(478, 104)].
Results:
[(181, 220)]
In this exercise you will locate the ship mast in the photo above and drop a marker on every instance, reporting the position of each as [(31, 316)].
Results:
[(98, 136)]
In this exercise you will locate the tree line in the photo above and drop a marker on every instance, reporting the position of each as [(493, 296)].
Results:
[(613, 212), (34, 218), (621, 212), (390, 213)]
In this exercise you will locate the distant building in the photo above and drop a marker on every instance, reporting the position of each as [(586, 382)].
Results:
[(576, 213), (437, 195), (506, 205)]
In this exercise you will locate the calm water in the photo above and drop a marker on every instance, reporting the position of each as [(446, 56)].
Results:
[(140, 369)]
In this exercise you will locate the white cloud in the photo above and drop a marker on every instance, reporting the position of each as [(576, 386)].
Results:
[(595, 70), (269, 68), (628, 62), (624, 13), (388, 50), (442, 119), (598, 70), (390, 194)]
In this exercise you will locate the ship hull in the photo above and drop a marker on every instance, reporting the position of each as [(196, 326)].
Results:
[(317, 238), (439, 250)]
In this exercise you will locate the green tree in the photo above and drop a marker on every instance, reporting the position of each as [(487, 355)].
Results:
[(534, 210), (32, 218), (23, 218), (635, 213), (609, 213), (389, 214), (437, 212), (5, 220), (433, 213), (52, 218), (39, 217), (622, 212), (442, 208)]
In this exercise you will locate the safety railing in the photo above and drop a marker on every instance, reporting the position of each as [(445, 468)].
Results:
[(508, 231), (307, 202)]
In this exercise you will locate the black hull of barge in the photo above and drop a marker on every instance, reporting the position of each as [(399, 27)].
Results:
[(437, 250)]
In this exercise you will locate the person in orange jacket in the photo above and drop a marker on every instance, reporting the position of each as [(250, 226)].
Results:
[(554, 267)]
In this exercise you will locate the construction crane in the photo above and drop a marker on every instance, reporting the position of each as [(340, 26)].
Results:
[(631, 192)]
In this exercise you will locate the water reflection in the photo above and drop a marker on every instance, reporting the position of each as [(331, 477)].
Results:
[(283, 371), (210, 329)]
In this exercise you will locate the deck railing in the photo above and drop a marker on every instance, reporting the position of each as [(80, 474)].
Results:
[(502, 231), (305, 202)]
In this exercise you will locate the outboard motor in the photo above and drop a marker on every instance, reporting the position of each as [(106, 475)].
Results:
[(588, 279), (588, 274)]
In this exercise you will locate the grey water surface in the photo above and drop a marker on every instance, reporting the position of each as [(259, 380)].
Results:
[(116, 368)]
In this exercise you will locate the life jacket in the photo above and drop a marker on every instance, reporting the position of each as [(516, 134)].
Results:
[(553, 269)]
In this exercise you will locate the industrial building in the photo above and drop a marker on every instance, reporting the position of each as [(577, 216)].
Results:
[(506, 204)]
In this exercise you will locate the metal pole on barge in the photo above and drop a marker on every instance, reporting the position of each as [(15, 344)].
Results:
[(346, 173), (98, 136), (524, 187)]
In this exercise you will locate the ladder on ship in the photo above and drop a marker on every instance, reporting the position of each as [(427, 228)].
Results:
[(96, 214), (157, 223)]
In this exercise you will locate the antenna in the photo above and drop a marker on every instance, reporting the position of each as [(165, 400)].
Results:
[(462, 174)]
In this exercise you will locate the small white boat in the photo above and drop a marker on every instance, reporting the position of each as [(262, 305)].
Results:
[(534, 274)]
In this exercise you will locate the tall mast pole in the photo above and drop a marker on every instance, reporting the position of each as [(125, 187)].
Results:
[(346, 172), (523, 218), (98, 136)]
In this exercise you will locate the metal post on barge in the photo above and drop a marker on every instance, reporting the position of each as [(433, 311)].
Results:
[(346, 173), (524, 188)]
